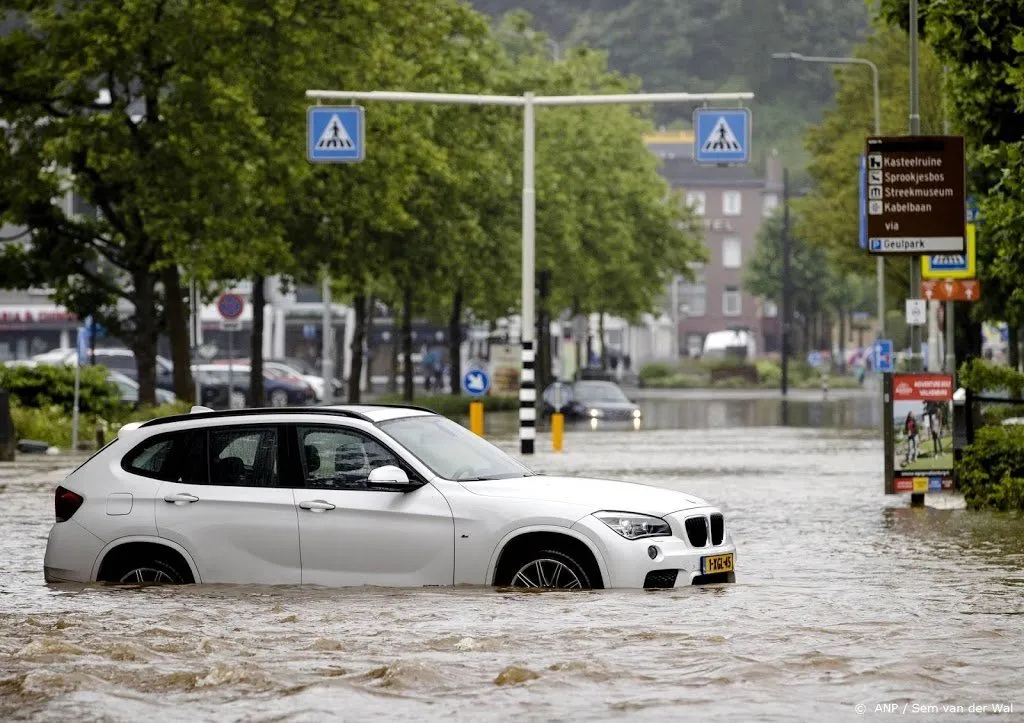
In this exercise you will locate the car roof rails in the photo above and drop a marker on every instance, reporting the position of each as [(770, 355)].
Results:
[(196, 409), (223, 413)]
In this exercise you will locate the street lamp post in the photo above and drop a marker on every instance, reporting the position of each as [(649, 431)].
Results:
[(879, 260), (528, 102)]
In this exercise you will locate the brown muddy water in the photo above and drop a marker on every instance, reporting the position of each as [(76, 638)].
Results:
[(843, 598)]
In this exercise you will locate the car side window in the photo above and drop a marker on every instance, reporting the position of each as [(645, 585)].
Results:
[(340, 459), (243, 456), (173, 457)]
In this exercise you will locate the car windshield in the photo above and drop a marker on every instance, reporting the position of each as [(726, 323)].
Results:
[(598, 392), (452, 451)]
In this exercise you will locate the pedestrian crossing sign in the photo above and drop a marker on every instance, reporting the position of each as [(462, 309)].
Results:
[(721, 136), (334, 134)]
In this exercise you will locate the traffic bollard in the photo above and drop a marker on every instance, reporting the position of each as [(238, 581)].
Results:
[(476, 418), (557, 430)]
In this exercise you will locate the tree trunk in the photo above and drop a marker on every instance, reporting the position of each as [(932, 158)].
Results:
[(259, 300), (177, 326), (356, 350), (371, 303), (144, 338), (408, 388), (1013, 346), (600, 333), (455, 343), (842, 341)]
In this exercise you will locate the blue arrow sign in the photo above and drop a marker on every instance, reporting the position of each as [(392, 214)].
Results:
[(475, 382), (721, 136), (335, 134), (883, 355)]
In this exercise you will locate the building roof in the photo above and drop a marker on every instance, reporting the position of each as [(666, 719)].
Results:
[(679, 169)]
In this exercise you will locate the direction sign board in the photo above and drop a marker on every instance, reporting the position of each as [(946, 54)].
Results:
[(953, 266), (475, 382), (335, 134), (863, 203), (230, 306), (951, 290), (721, 136), (915, 189), (883, 355)]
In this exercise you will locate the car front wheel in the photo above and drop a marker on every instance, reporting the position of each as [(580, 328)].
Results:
[(279, 398), (551, 569)]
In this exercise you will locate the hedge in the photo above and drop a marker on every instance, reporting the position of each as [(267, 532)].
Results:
[(991, 472), (49, 385)]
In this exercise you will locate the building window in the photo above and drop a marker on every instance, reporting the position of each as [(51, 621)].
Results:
[(732, 302), (697, 201), (694, 345), (732, 252), (732, 204), (693, 295), (770, 202), (770, 309)]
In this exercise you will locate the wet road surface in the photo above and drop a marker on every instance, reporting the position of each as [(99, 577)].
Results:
[(843, 597)]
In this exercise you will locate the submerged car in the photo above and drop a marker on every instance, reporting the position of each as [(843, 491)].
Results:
[(600, 400), (363, 495)]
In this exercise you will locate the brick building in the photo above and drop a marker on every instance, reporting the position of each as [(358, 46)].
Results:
[(732, 203)]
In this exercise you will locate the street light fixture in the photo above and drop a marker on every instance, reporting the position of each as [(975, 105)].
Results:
[(799, 57)]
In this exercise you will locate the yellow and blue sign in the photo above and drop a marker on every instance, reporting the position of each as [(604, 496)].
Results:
[(335, 134), (953, 266)]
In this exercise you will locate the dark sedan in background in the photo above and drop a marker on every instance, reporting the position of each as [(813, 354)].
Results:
[(599, 400)]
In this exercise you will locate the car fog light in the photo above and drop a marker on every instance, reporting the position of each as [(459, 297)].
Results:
[(652, 552)]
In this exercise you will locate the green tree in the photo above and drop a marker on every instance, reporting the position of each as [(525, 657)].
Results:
[(141, 110)]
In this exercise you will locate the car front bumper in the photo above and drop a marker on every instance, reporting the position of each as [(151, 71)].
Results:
[(676, 563)]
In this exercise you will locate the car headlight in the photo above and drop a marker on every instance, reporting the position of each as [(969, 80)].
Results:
[(633, 526), (595, 413), (637, 414)]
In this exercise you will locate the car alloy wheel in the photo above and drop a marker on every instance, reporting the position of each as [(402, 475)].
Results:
[(279, 398), (550, 569), (237, 400), (146, 574)]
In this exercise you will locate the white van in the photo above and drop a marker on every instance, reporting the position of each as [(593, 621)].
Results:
[(732, 344)]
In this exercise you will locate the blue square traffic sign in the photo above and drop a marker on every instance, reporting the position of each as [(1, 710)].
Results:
[(335, 134), (721, 136), (883, 355)]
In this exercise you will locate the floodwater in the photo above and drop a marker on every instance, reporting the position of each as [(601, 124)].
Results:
[(843, 598)]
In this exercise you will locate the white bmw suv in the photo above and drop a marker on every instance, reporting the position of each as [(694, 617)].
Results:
[(363, 495)]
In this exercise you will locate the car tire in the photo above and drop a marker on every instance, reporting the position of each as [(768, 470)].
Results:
[(278, 398), (154, 571), (552, 569)]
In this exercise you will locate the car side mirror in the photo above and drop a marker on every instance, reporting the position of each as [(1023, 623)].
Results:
[(390, 477)]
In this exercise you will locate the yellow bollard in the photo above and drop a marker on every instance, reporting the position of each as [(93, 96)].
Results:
[(476, 418), (557, 430)]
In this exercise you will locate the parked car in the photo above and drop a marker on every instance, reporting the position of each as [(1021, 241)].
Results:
[(129, 389), (304, 371), (364, 495), (602, 400), (279, 391), (122, 360)]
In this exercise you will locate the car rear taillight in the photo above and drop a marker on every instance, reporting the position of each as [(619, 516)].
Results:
[(66, 503)]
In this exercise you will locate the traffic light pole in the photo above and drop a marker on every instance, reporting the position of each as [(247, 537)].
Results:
[(528, 102)]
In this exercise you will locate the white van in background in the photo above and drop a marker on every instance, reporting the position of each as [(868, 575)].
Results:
[(730, 344)]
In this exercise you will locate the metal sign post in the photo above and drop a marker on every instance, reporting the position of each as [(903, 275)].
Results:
[(231, 307), (528, 102)]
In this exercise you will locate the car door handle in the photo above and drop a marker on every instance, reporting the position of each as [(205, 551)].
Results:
[(316, 505), (181, 498)]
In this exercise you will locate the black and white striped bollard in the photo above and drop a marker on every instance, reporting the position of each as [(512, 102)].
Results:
[(527, 401)]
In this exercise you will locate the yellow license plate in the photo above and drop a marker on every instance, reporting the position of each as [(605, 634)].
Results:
[(716, 563)]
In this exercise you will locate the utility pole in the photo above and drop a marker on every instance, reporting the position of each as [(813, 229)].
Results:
[(916, 498), (785, 283)]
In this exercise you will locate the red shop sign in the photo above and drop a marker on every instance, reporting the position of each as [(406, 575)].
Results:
[(922, 387)]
